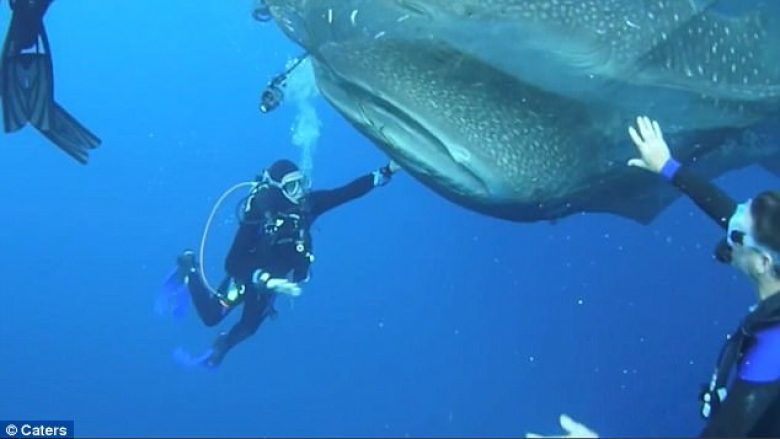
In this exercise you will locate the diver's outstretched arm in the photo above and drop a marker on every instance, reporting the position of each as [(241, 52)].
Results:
[(325, 200), (710, 199), (657, 158)]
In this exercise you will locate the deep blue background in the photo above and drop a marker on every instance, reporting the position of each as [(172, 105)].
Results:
[(422, 318)]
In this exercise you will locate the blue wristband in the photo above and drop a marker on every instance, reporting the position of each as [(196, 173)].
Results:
[(670, 168)]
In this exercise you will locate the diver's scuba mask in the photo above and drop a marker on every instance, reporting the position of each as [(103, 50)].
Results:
[(294, 186), (740, 234)]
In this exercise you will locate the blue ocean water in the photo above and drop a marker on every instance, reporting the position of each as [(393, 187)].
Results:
[(421, 319)]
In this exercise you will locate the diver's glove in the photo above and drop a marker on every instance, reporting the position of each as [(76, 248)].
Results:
[(656, 156), (284, 286), (276, 285), (383, 175)]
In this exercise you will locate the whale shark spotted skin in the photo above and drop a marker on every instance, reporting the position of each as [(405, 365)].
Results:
[(518, 109)]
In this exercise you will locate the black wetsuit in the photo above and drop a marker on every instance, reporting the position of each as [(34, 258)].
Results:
[(277, 252), (751, 408)]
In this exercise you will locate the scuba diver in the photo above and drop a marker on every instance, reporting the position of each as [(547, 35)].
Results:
[(750, 406), (27, 83), (742, 399), (273, 95), (271, 252)]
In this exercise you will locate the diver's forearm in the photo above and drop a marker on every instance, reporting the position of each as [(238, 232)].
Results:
[(710, 199)]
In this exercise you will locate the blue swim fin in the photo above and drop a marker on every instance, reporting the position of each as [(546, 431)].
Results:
[(173, 298), (189, 361)]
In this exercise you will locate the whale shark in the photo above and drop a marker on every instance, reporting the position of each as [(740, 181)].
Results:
[(539, 132)]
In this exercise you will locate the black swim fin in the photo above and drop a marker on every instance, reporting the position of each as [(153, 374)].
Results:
[(27, 92), (72, 137), (27, 98), (27, 86)]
